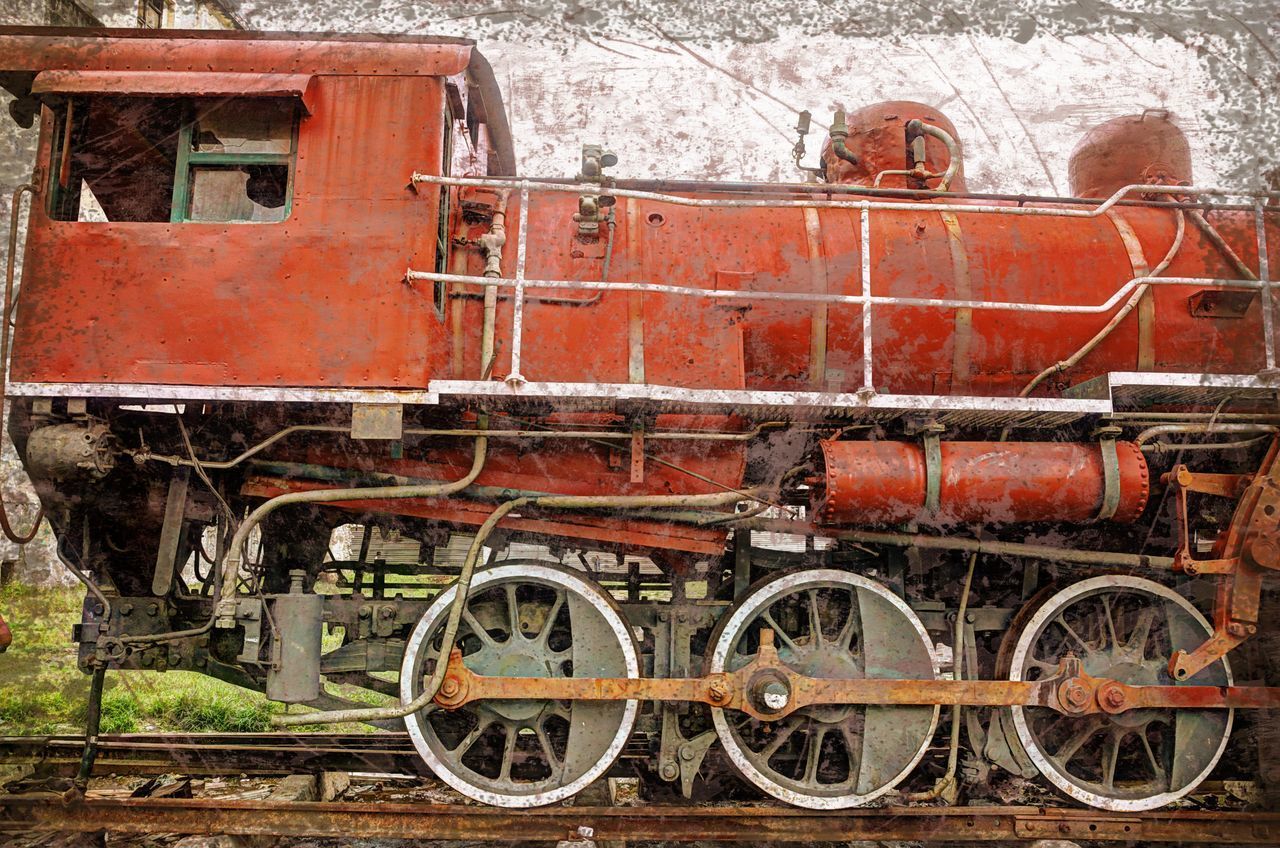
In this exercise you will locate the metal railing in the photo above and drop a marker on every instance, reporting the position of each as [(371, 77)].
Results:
[(866, 299)]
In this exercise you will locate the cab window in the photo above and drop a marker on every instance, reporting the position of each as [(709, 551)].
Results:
[(176, 160)]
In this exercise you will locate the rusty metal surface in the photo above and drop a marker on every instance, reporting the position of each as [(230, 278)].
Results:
[(979, 482), (669, 824), (218, 754), (1071, 691)]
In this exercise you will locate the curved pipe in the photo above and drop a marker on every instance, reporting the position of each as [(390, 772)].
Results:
[(1202, 430), (10, 270), (1072, 360), (464, 586), (225, 613)]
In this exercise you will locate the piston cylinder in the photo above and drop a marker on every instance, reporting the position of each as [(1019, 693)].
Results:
[(887, 482)]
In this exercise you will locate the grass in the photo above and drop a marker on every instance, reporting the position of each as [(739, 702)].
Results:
[(43, 692)]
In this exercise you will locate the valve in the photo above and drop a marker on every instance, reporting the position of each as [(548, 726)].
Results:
[(594, 160)]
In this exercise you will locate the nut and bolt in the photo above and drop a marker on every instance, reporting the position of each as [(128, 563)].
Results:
[(670, 771), (449, 687), (718, 693), (1113, 698), (1236, 629), (1075, 695), (153, 609)]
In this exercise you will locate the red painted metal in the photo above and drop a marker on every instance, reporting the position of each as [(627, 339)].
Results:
[(174, 83), (1132, 150), (981, 482)]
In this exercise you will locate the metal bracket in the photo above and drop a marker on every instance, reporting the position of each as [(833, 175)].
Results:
[(249, 614), (1110, 472), (377, 421), (931, 435)]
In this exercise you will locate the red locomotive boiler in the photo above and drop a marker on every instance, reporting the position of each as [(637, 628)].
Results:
[(692, 475)]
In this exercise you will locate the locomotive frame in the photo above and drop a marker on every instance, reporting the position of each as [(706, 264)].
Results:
[(821, 668)]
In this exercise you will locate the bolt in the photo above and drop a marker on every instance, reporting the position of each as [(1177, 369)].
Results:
[(686, 753), (201, 662), (670, 771), (98, 609), (365, 612), (1113, 698), (386, 612), (1075, 695), (1236, 629), (153, 609), (449, 687), (126, 609), (662, 616), (718, 693)]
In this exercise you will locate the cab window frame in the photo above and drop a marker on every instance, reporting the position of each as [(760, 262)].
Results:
[(63, 201), (189, 159)]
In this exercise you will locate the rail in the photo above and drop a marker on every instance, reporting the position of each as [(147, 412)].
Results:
[(866, 299), (665, 823)]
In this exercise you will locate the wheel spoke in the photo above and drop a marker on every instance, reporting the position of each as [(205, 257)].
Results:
[(477, 628), (545, 633), (1068, 748), (779, 633), (1108, 615), (1061, 622), (1156, 768), (845, 637), (1137, 643), (1110, 757), (815, 620), (508, 750), (779, 739), (470, 739), (814, 757), (853, 748), (513, 609), (545, 742)]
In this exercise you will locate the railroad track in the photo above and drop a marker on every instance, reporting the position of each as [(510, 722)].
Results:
[(283, 754), (203, 754)]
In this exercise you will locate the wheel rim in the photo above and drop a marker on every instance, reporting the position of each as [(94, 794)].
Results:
[(827, 624), (524, 620), (1123, 628)]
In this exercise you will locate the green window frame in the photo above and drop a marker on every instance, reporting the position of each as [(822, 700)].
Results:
[(64, 201), (189, 159)]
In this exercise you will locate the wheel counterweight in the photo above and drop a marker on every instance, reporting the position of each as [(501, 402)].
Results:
[(524, 620), (1123, 628), (827, 624)]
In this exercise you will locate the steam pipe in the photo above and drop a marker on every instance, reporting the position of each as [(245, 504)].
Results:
[(492, 243), (464, 586), (225, 613), (1202, 429)]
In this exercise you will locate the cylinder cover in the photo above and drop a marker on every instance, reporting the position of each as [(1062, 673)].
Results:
[(979, 482)]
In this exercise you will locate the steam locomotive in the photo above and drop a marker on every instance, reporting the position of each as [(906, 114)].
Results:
[(733, 487)]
